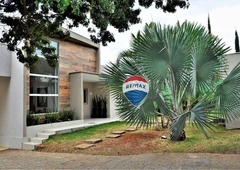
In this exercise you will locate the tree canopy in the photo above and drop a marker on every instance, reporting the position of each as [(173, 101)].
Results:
[(33, 22)]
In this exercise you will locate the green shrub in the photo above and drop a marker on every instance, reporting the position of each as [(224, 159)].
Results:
[(99, 107), (51, 118), (32, 120), (66, 115)]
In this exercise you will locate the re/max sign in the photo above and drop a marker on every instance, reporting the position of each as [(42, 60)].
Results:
[(137, 85)]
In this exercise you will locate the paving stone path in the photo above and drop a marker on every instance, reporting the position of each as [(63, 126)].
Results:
[(29, 160)]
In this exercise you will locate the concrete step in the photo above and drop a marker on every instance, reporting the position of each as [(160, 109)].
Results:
[(2, 148), (38, 140), (44, 135), (30, 145), (58, 131), (67, 129)]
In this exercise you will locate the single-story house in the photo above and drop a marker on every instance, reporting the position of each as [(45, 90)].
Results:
[(72, 85)]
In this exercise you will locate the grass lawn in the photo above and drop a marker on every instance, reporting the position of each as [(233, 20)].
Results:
[(144, 141)]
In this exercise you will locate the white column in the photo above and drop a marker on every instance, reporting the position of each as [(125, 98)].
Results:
[(76, 94)]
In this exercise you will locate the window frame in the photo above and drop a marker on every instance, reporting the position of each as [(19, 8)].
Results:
[(56, 76)]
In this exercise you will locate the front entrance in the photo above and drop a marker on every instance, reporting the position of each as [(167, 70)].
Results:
[(84, 90)]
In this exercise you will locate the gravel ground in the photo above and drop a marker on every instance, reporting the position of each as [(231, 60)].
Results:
[(19, 159)]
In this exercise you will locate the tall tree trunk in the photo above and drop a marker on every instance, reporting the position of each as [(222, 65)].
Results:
[(236, 41), (209, 25), (25, 7)]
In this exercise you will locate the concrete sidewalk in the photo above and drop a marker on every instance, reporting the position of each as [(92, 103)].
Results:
[(19, 159)]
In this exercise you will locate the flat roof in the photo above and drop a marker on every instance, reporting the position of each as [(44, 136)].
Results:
[(88, 77), (77, 38)]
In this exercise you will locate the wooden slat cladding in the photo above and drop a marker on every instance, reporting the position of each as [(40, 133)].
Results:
[(73, 58)]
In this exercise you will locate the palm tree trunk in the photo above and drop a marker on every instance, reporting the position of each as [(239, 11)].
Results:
[(157, 122), (181, 137)]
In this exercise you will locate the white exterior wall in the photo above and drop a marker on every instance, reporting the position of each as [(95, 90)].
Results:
[(112, 108), (87, 107), (4, 110), (12, 121), (5, 64), (76, 94), (233, 60)]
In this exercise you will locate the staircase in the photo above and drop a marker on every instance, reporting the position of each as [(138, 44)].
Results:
[(33, 142)]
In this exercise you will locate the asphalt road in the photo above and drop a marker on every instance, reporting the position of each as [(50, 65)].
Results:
[(19, 159)]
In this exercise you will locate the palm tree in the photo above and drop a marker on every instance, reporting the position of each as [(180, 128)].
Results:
[(183, 64)]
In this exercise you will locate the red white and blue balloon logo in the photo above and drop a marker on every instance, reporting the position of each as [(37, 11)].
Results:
[(135, 89)]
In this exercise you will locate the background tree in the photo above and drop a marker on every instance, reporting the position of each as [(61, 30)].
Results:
[(236, 41), (180, 62), (209, 25), (34, 21)]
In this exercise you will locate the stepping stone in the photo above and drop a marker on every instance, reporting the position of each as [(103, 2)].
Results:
[(131, 129), (113, 136), (118, 132), (83, 146), (93, 140)]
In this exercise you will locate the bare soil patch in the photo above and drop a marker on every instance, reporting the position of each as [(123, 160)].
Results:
[(130, 143)]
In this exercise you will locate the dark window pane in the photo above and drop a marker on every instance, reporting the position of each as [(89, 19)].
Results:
[(85, 96), (37, 83), (43, 104), (42, 67)]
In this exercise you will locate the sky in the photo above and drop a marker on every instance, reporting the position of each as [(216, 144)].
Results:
[(224, 19)]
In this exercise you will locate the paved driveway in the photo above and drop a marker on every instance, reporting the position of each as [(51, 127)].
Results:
[(19, 159)]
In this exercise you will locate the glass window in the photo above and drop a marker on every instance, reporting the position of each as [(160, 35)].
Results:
[(44, 86), (85, 96), (53, 44), (42, 67)]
